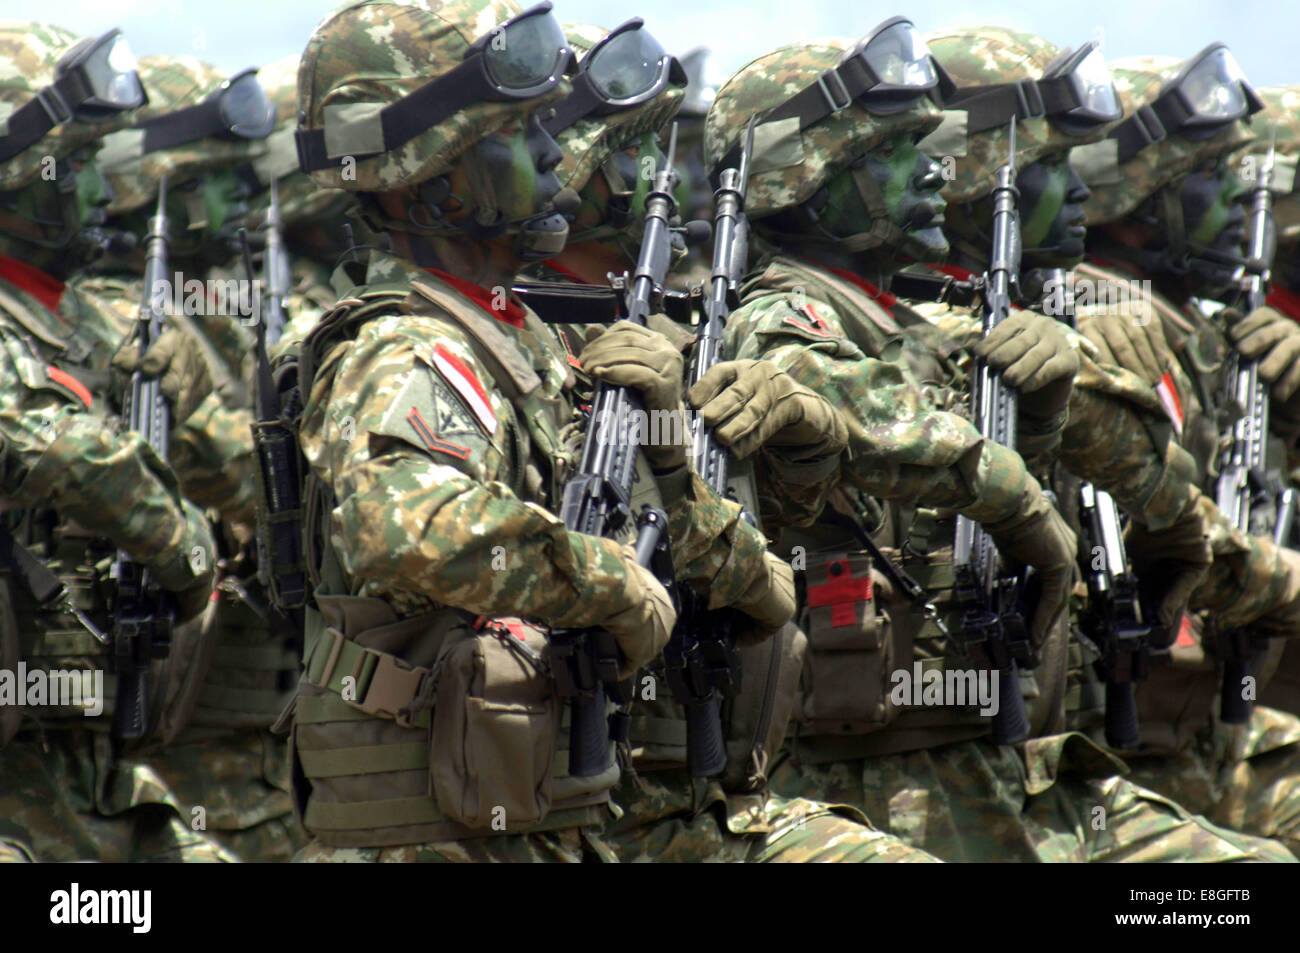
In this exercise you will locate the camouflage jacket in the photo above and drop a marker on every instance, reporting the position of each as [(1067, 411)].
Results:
[(905, 443), (444, 497), (62, 448)]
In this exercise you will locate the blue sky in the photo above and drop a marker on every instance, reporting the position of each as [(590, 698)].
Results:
[(1264, 34)]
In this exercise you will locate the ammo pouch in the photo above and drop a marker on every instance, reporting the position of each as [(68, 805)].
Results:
[(424, 729), (757, 718), (850, 657)]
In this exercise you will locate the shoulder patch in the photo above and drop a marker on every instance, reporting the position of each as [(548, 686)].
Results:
[(71, 384), (463, 380), (427, 412), (807, 319), (1169, 399)]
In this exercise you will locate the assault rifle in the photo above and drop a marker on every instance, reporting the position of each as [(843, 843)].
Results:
[(702, 662), (275, 265), (281, 565), (597, 500), (143, 615), (1115, 622), (1243, 480), (992, 598)]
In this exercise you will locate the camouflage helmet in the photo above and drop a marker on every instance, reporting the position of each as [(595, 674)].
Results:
[(368, 55), (1282, 105), (593, 139), (790, 165), (173, 83), (301, 199), (992, 56), (1118, 186), (33, 56)]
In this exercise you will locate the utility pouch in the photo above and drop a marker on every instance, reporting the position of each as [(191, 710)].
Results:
[(496, 725), (850, 652)]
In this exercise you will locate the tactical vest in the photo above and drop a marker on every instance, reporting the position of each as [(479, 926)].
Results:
[(438, 726)]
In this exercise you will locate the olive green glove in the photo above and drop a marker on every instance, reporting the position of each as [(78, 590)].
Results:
[(1034, 356), (629, 355), (1179, 557), (1274, 339), (188, 568), (1136, 343), (752, 403), (769, 601), (184, 375), (1042, 539), (642, 628)]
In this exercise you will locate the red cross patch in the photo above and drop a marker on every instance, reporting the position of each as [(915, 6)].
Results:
[(842, 593)]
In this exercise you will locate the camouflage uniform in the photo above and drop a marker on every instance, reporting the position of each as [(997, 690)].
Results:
[(964, 799), (1243, 777), (79, 487), (225, 759)]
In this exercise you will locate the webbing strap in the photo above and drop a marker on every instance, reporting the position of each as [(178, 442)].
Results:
[(326, 709), (272, 658), (364, 759), (243, 700), (361, 815)]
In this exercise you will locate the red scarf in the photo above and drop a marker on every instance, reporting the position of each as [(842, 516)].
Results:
[(44, 288), (512, 314)]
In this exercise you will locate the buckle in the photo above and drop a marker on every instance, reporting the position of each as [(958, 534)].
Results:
[(386, 686), (55, 106), (1148, 125), (1030, 99), (831, 103)]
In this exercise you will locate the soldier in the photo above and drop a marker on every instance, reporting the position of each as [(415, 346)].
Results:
[(817, 299), (78, 487), (667, 815), (1166, 227), (439, 427), (219, 755)]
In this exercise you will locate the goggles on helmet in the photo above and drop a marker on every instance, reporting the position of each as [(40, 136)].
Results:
[(1208, 93), (886, 73), (237, 109), (523, 58), (94, 80), (1076, 93), (625, 69)]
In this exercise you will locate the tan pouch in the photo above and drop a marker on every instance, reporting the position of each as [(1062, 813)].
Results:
[(495, 729), (759, 715), (850, 650)]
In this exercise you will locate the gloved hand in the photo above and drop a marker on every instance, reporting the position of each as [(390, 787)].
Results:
[(1035, 357), (1042, 539), (1179, 557), (1273, 338), (1136, 343), (187, 569), (185, 377), (769, 601), (643, 627), (751, 403), (629, 355)]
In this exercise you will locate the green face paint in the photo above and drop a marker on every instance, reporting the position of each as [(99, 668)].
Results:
[(519, 161), (93, 192), (1052, 228), (909, 184), (1209, 197)]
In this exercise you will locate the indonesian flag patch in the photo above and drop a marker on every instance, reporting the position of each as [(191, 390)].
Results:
[(456, 373), (1168, 395)]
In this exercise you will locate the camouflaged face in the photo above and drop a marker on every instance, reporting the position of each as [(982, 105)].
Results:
[(589, 142), (377, 51), (984, 56), (1139, 81), (790, 166), (1283, 113), (29, 53), (173, 83)]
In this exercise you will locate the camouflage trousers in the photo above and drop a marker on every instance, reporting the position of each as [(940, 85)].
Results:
[(64, 797), (1052, 799), (1245, 777), (668, 817), (569, 845)]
